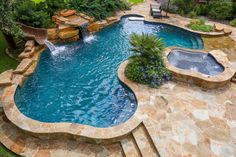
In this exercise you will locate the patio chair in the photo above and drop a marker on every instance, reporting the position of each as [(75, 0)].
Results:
[(155, 10)]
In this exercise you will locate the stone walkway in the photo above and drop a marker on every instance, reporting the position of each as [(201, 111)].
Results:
[(180, 120)]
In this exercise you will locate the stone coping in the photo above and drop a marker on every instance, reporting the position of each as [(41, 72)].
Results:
[(93, 133), (154, 20), (198, 78)]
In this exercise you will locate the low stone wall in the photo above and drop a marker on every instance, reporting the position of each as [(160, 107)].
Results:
[(197, 78)]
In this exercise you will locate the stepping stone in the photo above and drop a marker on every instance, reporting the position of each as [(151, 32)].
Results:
[(6, 78), (218, 28), (227, 30)]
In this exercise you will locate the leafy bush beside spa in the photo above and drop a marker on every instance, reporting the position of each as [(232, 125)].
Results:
[(146, 66)]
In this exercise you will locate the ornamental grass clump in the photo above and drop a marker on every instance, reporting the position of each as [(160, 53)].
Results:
[(146, 66)]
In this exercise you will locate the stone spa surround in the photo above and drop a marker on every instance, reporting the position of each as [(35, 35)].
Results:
[(198, 78)]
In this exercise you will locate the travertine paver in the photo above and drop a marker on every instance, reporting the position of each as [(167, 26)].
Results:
[(130, 148), (144, 143), (6, 78), (29, 146)]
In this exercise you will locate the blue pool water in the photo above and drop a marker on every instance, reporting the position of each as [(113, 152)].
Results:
[(80, 84)]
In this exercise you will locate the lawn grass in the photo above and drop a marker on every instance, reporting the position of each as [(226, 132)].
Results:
[(5, 61), (4, 152), (135, 1)]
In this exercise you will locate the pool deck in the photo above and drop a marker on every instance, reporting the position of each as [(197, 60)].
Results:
[(175, 120)]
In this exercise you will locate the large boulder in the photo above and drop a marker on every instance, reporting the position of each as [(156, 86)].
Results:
[(218, 28), (65, 34), (93, 27), (23, 66), (227, 31), (66, 13), (52, 33), (30, 43)]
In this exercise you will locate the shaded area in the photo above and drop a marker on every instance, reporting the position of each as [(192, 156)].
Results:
[(5, 61)]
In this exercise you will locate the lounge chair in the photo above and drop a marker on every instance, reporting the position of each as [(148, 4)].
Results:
[(155, 10)]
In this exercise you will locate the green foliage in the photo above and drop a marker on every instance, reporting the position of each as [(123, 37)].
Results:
[(233, 23), (146, 66), (184, 6), (203, 28), (217, 9), (147, 46), (199, 25), (99, 9), (201, 9), (37, 14), (192, 14), (6, 153), (5, 61), (221, 9), (7, 21), (200, 21), (135, 1)]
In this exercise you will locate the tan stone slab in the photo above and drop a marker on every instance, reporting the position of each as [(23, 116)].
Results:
[(219, 27), (23, 66), (6, 78), (144, 143), (18, 79), (130, 148), (27, 54), (68, 34), (31, 69), (52, 33), (30, 43)]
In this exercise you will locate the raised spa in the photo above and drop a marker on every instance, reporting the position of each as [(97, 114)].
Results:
[(201, 62), (80, 83)]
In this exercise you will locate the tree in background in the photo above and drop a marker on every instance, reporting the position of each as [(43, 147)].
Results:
[(8, 26)]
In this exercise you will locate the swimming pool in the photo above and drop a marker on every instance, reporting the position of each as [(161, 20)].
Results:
[(80, 84)]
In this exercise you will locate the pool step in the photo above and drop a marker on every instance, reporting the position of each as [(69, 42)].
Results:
[(130, 148), (194, 43), (144, 142), (199, 43)]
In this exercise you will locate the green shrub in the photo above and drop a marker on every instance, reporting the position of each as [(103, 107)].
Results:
[(146, 66), (233, 23), (38, 14), (203, 28), (192, 14), (199, 25), (99, 9), (200, 21), (221, 9), (184, 6), (201, 9)]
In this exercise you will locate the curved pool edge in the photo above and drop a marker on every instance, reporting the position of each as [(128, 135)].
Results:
[(153, 20), (74, 130), (197, 78)]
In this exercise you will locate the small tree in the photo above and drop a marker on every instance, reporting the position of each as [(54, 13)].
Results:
[(7, 23), (146, 66), (147, 46)]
